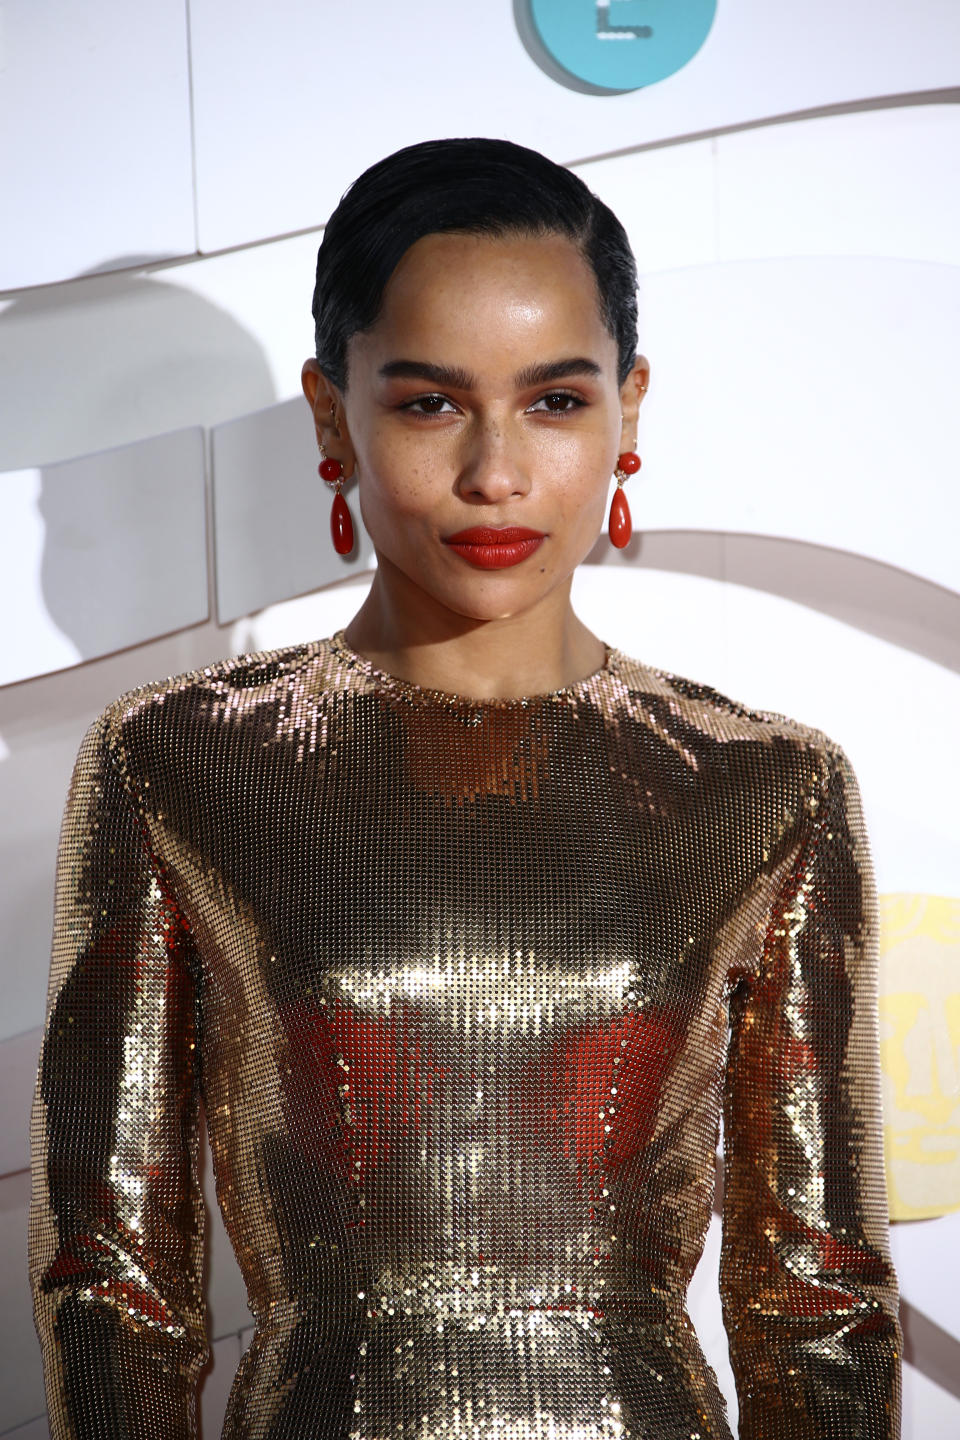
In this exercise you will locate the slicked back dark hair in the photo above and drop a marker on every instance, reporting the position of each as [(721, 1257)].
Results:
[(475, 187)]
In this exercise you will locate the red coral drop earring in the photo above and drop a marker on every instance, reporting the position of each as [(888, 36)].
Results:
[(341, 522), (621, 526)]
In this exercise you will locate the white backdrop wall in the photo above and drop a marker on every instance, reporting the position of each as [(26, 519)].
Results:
[(798, 502)]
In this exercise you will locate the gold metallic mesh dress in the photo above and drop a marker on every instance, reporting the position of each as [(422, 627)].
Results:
[(463, 987)]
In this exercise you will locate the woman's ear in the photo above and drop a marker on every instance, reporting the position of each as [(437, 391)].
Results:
[(632, 392), (329, 421)]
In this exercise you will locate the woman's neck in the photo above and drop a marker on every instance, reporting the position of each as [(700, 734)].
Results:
[(532, 653)]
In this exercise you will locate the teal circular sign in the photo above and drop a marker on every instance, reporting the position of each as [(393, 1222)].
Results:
[(609, 47)]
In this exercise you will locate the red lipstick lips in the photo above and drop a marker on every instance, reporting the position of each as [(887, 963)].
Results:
[(491, 549)]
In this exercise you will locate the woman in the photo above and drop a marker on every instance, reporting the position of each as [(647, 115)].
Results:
[(465, 927)]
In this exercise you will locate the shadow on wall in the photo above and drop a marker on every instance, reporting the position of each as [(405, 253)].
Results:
[(930, 1349), (109, 550), (123, 545), (109, 359)]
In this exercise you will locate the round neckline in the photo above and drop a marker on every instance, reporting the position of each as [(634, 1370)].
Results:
[(408, 689)]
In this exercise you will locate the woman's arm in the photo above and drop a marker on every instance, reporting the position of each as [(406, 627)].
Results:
[(809, 1293), (116, 1223)]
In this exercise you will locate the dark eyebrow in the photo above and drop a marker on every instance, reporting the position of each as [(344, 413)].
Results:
[(454, 378), (552, 370), (450, 377)]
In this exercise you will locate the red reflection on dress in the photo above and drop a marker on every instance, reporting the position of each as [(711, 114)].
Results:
[(600, 1088), (357, 1083)]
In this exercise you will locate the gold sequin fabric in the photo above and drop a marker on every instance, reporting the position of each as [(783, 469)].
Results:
[(463, 989)]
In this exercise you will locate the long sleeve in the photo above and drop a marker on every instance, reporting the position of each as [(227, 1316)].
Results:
[(809, 1294), (116, 1224)]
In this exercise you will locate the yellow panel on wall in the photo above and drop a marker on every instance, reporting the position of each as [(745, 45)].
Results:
[(920, 1052)]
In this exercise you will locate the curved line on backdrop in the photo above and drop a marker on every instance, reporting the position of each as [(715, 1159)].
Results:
[(870, 595), (880, 599), (916, 614), (947, 95)]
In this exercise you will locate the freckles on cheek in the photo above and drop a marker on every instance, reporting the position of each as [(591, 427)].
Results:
[(411, 492)]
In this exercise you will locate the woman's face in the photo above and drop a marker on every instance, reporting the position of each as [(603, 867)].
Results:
[(485, 397)]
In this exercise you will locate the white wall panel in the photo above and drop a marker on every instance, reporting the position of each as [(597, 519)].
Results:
[(703, 1304), (929, 1412), (228, 1312), (880, 182), (303, 619), (101, 553), (95, 162), (666, 199), (925, 1254), (272, 512), (272, 86), (870, 183), (21, 1374), (33, 1430), (215, 1391), (18, 1074), (811, 398), (33, 787)]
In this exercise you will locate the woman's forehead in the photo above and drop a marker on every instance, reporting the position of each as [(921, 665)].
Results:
[(454, 289), (515, 257)]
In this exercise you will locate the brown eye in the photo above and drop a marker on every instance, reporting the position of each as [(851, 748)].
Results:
[(427, 404), (557, 402)]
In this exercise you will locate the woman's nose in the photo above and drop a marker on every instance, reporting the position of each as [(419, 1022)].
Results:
[(493, 467)]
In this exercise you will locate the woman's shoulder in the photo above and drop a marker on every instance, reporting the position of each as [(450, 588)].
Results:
[(224, 687), (711, 712)]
